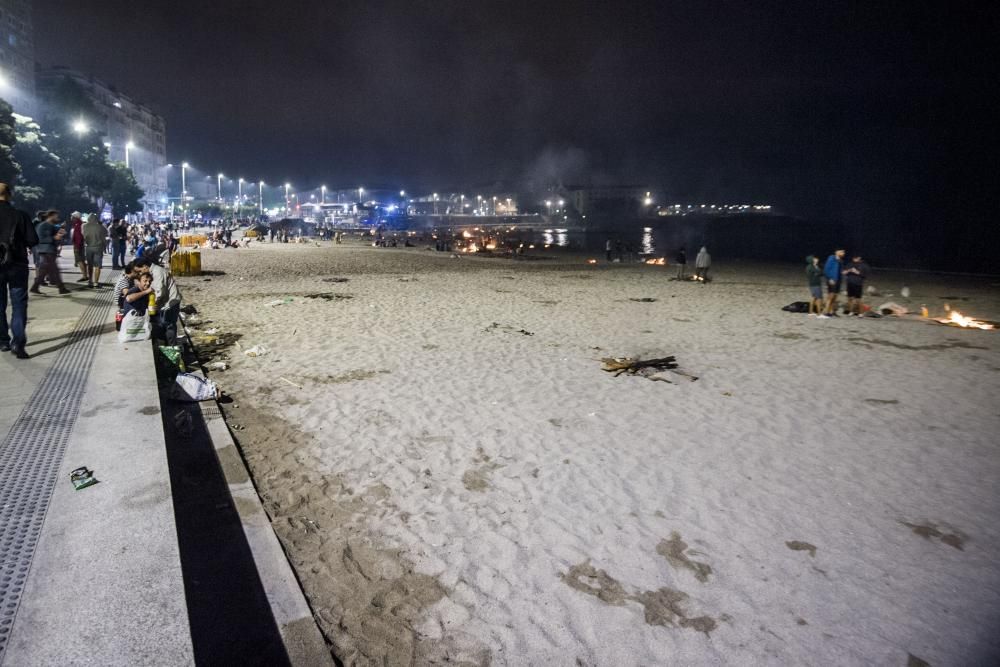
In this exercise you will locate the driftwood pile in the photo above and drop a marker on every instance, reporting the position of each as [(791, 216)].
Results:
[(647, 368)]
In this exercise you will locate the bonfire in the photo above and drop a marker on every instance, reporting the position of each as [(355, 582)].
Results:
[(658, 261), (957, 319)]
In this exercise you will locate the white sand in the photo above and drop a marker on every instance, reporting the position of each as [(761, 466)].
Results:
[(447, 489)]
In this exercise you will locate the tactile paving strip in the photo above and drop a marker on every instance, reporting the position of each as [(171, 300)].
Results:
[(31, 454)]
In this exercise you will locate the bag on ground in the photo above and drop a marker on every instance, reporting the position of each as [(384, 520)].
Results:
[(135, 328), (188, 387)]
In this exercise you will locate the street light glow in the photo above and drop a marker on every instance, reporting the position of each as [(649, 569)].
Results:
[(80, 127), (130, 145)]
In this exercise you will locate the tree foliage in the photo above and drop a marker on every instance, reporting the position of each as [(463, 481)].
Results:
[(9, 167), (63, 169)]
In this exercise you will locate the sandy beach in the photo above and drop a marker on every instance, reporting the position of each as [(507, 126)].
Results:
[(456, 480)]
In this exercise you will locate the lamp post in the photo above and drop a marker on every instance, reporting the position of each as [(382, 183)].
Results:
[(494, 205), (287, 185), (260, 194), (361, 194), (184, 167), (461, 208), (80, 127), (128, 146), (219, 186), (239, 196), (322, 195)]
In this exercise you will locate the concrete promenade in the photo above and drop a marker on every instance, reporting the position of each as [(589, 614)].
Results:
[(105, 583), (169, 559)]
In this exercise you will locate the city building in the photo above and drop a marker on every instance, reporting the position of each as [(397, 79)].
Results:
[(17, 56), (135, 134)]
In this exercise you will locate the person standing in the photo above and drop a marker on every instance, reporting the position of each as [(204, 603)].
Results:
[(119, 239), (682, 262), (833, 271), (814, 276), (17, 234), (855, 274), (607, 249), (95, 238), (49, 233), (702, 263), (79, 256)]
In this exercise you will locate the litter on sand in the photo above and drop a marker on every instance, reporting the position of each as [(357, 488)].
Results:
[(188, 387), (256, 351), (279, 302), (218, 366)]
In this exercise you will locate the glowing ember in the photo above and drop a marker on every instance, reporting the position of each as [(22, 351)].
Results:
[(466, 235), (472, 247), (591, 261), (957, 319), (491, 246), (658, 261)]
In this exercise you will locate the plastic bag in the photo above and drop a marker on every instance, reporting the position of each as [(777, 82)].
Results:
[(188, 387), (135, 327), (256, 351)]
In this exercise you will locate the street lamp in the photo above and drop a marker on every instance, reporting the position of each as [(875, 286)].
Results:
[(219, 186), (239, 196), (80, 127), (287, 185), (322, 194), (260, 193), (128, 146), (402, 193), (548, 206), (184, 168), (361, 194)]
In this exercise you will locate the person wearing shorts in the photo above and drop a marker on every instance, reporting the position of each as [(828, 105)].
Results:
[(79, 254), (833, 271), (95, 238), (814, 276), (855, 275)]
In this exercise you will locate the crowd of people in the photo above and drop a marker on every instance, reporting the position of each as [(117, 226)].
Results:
[(42, 241)]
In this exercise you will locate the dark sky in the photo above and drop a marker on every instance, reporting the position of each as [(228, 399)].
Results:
[(860, 110)]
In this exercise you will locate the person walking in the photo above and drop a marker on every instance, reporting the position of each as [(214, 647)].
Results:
[(833, 272), (854, 275), (702, 263), (49, 233), (79, 256), (17, 234), (682, 262), (814, 276), (95, 238)]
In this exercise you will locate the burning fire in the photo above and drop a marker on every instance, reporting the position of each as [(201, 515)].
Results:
[(658, 261), (956, 318), (591, 261)]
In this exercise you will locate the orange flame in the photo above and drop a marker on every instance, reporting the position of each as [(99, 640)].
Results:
[(956, 318), (658, 261)]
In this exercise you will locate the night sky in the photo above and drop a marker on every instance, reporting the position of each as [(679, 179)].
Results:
[(863, 112)]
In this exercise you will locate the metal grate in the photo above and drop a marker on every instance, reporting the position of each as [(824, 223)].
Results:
[(32, 452)]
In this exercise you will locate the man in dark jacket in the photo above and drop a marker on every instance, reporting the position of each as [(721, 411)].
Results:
[(16, 236), (855, 274), (50, 234), (682, 264)]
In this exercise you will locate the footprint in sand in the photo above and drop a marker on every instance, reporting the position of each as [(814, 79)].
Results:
[(673, 550), (930, 531), (664, 606), (796, 545), (478, 479)]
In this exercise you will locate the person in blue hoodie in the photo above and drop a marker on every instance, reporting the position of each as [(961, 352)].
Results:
[(833, 271)]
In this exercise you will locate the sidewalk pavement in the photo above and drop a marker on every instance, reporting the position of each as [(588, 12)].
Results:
[(51, 320)]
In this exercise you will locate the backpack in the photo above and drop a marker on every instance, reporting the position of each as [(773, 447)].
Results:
[(7, 252)]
